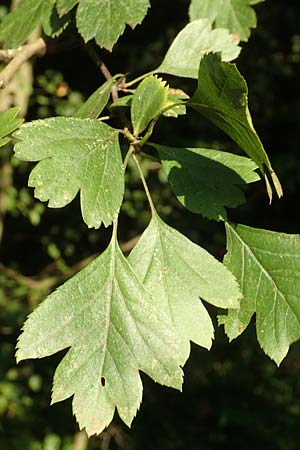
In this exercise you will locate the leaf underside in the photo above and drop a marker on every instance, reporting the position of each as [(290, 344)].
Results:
[(9, 122), (235, 15), (267, 266), (192, 43)]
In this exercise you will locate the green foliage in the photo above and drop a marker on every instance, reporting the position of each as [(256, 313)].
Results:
[(75, 154), (9, 122), (205, 181), (222, 97), (192, 43), (271, 261), (235, 15), (121, 315)]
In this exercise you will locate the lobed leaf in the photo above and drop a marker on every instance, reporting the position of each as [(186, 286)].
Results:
[(64, 6), (9, 122), (114, 330), (147, 101), (206, 181), (177, 272), (105, 20), (267, 266), (17, 26), (222, 97), (192, 43), (75, 154), (235, 15)]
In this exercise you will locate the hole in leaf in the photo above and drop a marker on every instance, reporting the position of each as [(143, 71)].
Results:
[(102, 381)]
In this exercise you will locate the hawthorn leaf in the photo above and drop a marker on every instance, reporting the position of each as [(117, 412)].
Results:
[(9, 122), (121, 102), (17, 25), (105, 20), (64, 6), (175, 96), (206, 180), (235, 15), (95, 104), (192, 43), (177, 272), (267, 266), (147, 101), (222, 97), (110, 321), (75, 154)]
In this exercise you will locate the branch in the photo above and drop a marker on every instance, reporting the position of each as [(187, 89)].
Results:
[(25, 53)]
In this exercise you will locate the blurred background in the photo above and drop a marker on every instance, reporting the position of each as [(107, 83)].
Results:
[(233, 396)]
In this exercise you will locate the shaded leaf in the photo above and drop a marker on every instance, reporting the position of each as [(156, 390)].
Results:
[(75, 154), (147, 101), (9, 122), (192, 43), (95, 104), (205, 180), (267, 266), (114, 330), (177, 272), (222, 97), (105, 20), (235, 15)]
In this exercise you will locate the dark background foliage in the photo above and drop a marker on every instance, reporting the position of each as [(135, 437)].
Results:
[(234, 396)]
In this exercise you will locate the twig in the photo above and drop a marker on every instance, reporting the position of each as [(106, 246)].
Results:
[(25, 53), (81, 441), (5, 183)]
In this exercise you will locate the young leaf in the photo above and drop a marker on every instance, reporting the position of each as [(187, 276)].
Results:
[(177, 272), (175, 96), (235, 15), (267, 266), (192, 43), (222, 97), (75, 154), (105, 20), (147, 102), (114, 330), (9, 122), (95, 104), (205, 180)]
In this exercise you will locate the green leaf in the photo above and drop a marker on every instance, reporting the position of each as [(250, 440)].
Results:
[(75, 154), (177, 272), (175, 96), (148, 100), (124, 101), (205, 180), (222, 97), (95, 104), (19, 24), (64, 6), (192, 43), (267, 266), (105, 20), (235, 15), (9, 122), (114, 330)]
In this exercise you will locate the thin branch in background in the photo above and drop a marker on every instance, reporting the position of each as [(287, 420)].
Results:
[(81, 441), (5, 184), (103, 68), (26, 52)]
